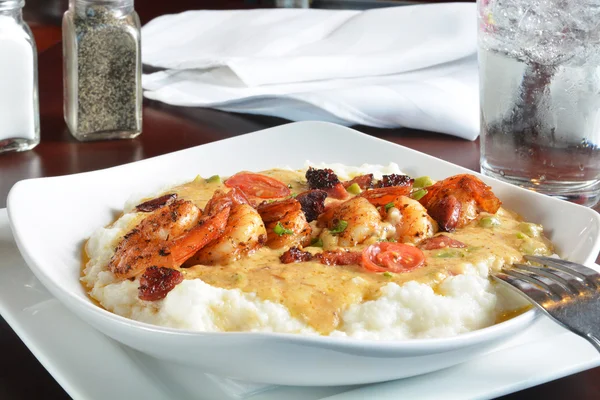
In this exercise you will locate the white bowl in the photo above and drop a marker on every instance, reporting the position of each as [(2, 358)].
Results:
[(51, 217)]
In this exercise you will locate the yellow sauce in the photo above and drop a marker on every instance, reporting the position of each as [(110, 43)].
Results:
[(505, 316), (317, 294)]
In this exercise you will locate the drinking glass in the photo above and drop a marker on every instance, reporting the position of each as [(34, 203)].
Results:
[(539, 63)]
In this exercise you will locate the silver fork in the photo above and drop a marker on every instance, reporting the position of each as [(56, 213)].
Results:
[(567, 292)]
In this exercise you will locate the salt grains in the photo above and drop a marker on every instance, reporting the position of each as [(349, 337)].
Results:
[(19, 112)]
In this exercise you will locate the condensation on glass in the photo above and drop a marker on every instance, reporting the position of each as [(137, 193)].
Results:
[(539, 63)]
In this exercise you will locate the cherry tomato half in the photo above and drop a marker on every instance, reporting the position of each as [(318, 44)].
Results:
[(392, 257), (258, 185)]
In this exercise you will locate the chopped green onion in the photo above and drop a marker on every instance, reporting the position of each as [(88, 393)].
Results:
[(316, 242), (339, 227), (280, 230), (387, 274), (489, 222), (521, 235), (530, 229), (214, 179), (448, 254), (293, 195), (388, 206), (391, 240), (532, 248), (354, 189), (238, 276), (422, 181), (473, 248), (418, 195)]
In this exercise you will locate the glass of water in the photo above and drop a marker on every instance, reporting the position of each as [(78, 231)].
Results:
[(539, 63)]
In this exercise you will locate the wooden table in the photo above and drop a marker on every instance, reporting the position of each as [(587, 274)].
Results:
[(168, 129)]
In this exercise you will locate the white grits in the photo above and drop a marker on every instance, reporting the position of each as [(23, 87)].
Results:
[(462, 303)]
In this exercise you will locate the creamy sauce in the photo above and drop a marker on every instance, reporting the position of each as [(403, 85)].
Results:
[(317, 294), (505, 316)]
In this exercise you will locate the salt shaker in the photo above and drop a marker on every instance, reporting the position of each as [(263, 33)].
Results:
[(102, 69), (19, 107)]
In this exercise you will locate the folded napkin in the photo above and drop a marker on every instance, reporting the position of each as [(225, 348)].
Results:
[(411, 66)]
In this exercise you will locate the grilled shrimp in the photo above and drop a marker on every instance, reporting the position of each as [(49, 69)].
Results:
[(242, 231), (385, 195), (455, 201), (172, 233), (411, 221), (362, 219), (285, 223), (147, 244)]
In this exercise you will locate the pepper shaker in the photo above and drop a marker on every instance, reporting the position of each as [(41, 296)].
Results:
[(19, 107), (102, 69)]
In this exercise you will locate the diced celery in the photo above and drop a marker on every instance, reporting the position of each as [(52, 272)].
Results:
[(449, 253), (280, 230), (422, 181), (354, 189), (214, 179), (418, 195), (339, 227), (532, 230), (317, 242), (489, 222)]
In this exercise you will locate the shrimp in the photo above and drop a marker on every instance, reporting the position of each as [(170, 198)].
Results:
[(362, 219), (147, 244), (285, 223), (457, 200), (411, 221), (409, 218), (385, 195), (172, 234), (244, 233)]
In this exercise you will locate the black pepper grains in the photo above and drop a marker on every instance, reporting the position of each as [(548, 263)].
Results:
[(103, 94)]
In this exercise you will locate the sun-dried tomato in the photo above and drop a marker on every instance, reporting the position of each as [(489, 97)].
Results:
[(339, 257), (363, 181), (440, 242), (155, 204), (395, 180), (321, 178), (157, 282), (294, 255), (313, 203)]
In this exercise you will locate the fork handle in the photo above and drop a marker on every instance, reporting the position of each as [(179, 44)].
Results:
[(593, 340)]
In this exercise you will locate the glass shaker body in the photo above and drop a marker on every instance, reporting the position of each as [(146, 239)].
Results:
[(102, 69), (19, 104)]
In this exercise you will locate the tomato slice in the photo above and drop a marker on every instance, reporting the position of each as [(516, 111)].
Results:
[(440, 242), (258, 185), (392, 257)]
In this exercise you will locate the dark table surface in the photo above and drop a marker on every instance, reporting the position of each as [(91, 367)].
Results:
[(168, 129)]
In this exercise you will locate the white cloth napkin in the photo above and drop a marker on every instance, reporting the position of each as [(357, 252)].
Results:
[(411, 66)]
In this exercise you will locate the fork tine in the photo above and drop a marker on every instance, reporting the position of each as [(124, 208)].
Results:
[(556, 291), (590, 276), (536, 294), (571, 283)]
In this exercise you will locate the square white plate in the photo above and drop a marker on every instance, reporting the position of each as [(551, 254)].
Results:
[(65, 345), (50, 234)]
